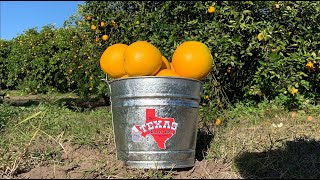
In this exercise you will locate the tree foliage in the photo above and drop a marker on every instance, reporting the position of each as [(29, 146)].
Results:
[(260, 48)]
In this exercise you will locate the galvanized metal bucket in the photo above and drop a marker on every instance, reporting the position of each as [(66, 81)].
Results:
[(155, 121)]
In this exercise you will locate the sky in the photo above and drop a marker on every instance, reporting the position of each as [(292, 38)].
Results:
[(18, 16)]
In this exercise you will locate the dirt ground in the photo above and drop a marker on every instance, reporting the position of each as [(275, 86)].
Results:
[(80, 162)]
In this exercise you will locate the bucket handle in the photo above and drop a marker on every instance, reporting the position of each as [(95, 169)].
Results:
[(106, 80)]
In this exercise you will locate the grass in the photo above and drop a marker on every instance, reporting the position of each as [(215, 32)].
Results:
[(27, 132), (247, 140), (258, 149)]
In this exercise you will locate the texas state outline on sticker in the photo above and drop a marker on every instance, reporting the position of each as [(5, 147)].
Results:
[(161, 129)]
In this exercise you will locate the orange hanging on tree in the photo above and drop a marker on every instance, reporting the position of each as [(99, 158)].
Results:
[(105, 37), (102, 24), (211, 9), (93, 27)]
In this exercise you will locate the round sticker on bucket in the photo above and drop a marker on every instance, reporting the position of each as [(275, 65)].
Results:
[(161, 129)]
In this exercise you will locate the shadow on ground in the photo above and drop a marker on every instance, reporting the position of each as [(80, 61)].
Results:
[(298, 159), (204, 138), (81, 104), (76, 104)]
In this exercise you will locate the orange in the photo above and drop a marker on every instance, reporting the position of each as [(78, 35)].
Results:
[(217, 122), (111, 61), (192, 59), (88, 18), (165, 63), (125, 76), (141, 58), (171, 67), (310, 118), (97, 39), (211, 10), (102, 24), (167, 72), (294, 91), (309, 65), (105, 37), (93, 27)]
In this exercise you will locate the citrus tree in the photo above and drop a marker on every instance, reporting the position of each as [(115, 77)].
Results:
[(262, 50), (62, 60), (4, 53)]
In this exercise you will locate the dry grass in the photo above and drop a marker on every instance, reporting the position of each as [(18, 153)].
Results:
[(264, 150), (64, 143)]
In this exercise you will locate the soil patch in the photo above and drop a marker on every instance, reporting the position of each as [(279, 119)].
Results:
[(84, 162)]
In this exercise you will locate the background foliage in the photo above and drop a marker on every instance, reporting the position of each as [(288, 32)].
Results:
[(260, 48)]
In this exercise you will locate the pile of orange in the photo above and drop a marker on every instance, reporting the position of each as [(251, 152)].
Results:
[(191, 59)]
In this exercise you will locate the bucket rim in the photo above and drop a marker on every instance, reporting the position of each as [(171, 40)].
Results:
[(155, 77)]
